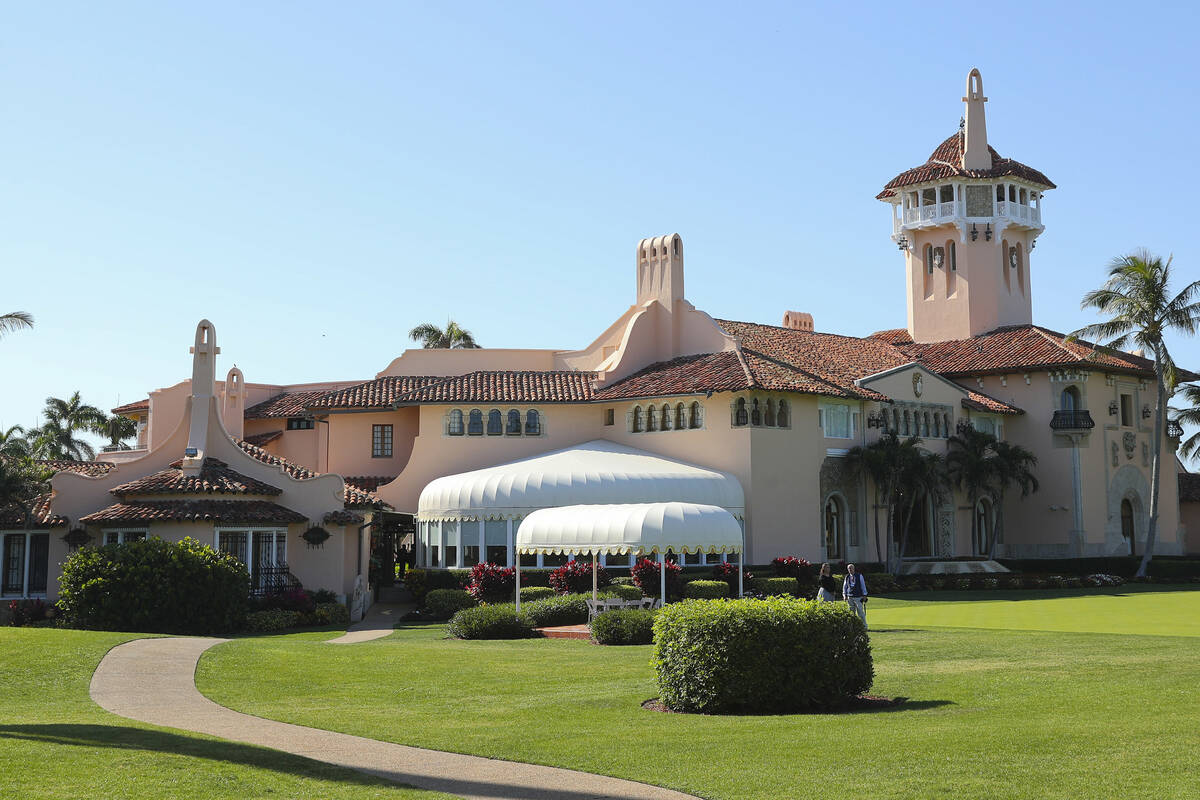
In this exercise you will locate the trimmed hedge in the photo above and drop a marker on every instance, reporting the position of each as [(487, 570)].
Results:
[(624, 626), (274, 619), (563, 609), (621, 591), (442, 603), (500, 621), (624, 580), (154, 586), (706, 590), (329, 614), (776, 655), (777, 586), (530, 594)]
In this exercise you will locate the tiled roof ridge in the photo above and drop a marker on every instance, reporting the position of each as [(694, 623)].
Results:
[(215, 477), (353, 497), (830, 334), (751, 381), (202, 510), (856, 391)]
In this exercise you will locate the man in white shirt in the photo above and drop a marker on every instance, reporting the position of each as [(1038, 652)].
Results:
[(854, 589)]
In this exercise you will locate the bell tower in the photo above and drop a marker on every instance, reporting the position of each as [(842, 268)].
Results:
[(966, 221)]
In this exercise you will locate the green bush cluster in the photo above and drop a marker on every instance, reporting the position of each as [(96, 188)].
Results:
[(443, 603), (621, 591), (624, 580), (154, 586), (531, 593), (563, 609), (275, 619), (777, 586), (327, 614), (706, 590), (624, 626), (500, 621), (775, 655)]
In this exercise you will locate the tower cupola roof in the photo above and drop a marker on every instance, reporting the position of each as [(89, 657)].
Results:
[(947, 162)]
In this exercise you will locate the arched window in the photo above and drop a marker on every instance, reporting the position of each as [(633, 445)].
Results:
[(680, 417), (946, 423), (983, 526), (740, 417), (495, 422), (475, 423), (937, 426), (925, 424), (781, 418), (834, 523), (697, 418), (1070, 399), (639, 424), (755, 413), (533, 423), (1127, 530), (651, 418), (896, 420), (514, 423), (666, 417), (769, 415), (907, 427), (455, 425)]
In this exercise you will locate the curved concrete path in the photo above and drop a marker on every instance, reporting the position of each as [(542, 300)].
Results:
[(153, 680), (379, 622)]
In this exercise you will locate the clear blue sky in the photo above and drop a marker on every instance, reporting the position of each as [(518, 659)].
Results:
[(317, 178)]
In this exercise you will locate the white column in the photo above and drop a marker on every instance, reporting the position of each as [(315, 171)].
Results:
[(518, 576), (482, 543), (662, 575), (508, 524), (741, 571), (595, 577), (441, 528)]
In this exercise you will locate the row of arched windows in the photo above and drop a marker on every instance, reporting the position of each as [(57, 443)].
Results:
[(497, 423), (762, 414), (678, 417), (928, 424)]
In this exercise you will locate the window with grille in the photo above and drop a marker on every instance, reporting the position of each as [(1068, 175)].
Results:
[(514, 423), (381, 441), (454, 425), (495, 423), (300, 423), (533, 423)]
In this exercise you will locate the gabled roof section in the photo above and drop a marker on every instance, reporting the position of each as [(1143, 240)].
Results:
[(215, 478), (380, 393), (978, 401), (354, 497), (506, 386), (897, 336), (946, 162), (91, 469), (294, 404), (231, 511), (12, 518), (708, 372), (260, 439), (131, 408)]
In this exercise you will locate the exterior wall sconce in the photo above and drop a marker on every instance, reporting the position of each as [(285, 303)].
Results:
[(974, 232), (1145, 412), (902, 243), (987, 234), (874, 420), (1174, 429), (1112, 408), (1032, 245)]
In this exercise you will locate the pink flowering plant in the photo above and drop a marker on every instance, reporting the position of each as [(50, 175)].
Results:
[(491, 582), (728, 572), (792, 567), (575, 577), (646, 575)]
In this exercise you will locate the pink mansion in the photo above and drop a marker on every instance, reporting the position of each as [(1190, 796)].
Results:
[(667, 403)]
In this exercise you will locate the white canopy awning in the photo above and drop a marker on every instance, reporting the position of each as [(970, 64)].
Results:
[(630, 528), (599, 472)]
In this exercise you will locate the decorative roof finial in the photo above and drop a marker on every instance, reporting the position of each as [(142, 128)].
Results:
[(976, 155)]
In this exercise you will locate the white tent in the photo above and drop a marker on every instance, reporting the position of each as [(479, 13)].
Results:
[(620, 529)]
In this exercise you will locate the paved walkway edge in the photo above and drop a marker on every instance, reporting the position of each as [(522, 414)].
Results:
[(153, 680)]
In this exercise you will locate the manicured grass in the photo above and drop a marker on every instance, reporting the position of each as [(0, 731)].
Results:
[(992, 714), (56, 743)]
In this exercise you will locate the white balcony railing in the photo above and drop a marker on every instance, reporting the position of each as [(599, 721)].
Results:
[(1018, 212), (935, 212)]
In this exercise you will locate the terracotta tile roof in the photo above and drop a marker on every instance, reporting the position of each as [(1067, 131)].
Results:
[(12, 518), (231, 511), (292, 404), (368, 483), (978, 401), (140, 405), (1189, 487), (259, 439), (343, 518), (893, 336), (353, 497), (92, 469), (508, 386), (1021, 348), (379, 393), (946, 162), (716, 372), (215, 478)]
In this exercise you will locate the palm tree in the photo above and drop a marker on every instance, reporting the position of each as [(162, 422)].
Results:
[(1014, 467), (21, 481), (15, 320), (1190, 415), (117, 428), (65, 418), (884, 462), (13, 443), (923, 476), (1136, 298), (452, 338), (972, 467)]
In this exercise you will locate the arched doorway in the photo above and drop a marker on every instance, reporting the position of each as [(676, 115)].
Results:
[(835, 516), (1127, 529), (983, 526), (917, 533)]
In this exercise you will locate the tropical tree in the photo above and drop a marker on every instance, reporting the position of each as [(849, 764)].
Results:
[(884, 461), (452, 337), (21, 481), (1189, 415), (1014, 468), (117, 428), (1136, 299), (13, 443), (14, 321), (923, 476), (56, 438), (972, 467)]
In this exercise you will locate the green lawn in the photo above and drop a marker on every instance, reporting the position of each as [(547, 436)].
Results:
[(56, 743), (1027, 712)]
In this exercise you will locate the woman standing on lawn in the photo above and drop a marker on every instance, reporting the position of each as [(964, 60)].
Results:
[(827, 592)]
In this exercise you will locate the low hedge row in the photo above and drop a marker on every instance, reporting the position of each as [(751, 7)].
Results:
[(624, 627), (500, 621), (772, 587), (278, 619), (563, 609), (443, 603), (531, 593), (706, 590)]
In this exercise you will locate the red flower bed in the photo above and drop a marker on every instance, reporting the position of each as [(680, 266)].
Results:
[(645, 575), (792, 567), (727, 571), (575, 577), (490, 581)]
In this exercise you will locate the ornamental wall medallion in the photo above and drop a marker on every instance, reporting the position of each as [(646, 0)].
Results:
[(946, 530), (918, 384), (1129, 440)]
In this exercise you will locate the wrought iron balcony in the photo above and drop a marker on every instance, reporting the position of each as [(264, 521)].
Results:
[(1072, 421)]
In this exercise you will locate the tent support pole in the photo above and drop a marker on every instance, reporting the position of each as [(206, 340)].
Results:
[(595, 577), (741, 572), (517, 560), (662, 575)]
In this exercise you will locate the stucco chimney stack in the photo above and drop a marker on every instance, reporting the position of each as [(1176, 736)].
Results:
[(975, 149), (798, 320)]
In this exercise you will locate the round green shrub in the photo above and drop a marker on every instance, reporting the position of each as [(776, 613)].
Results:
[(706, 590), (531, 593), (622, 591), (624, 626), (330, 614), (563, 609), (154, 586), (274, 619), (500, 621), (775, 655), (442, 603), (777, 586)]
